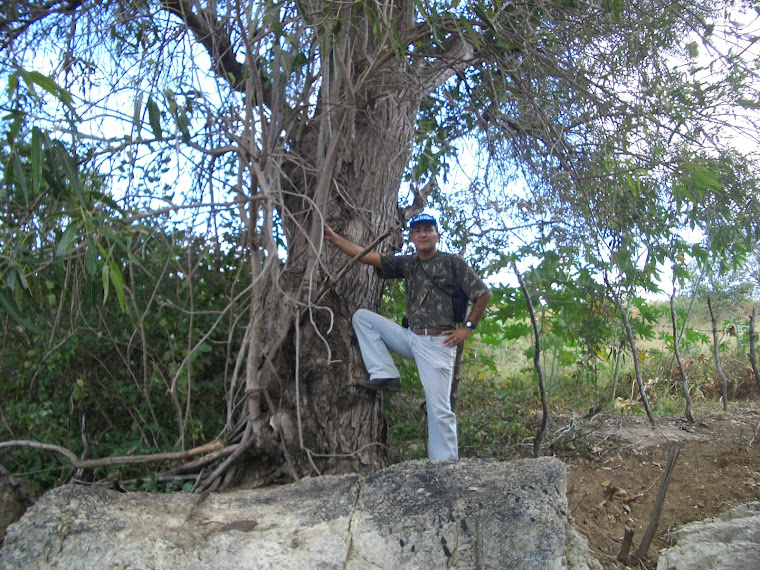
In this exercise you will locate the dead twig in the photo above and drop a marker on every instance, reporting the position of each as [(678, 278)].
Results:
[(643, 493)]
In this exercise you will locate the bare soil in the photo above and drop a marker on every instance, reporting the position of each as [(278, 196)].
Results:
[(616, 464)]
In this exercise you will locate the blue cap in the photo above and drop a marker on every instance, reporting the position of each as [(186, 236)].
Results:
[(423, 219)]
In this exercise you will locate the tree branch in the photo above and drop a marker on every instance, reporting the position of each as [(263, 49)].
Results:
[(121, 460), (435, 69), (211, 35)]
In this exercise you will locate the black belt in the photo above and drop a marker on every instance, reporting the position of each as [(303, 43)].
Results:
[(429, 332)]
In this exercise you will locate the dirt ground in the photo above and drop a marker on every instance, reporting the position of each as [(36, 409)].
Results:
[(616, 465)]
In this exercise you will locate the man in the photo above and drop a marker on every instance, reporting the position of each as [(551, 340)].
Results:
[(431, 339)]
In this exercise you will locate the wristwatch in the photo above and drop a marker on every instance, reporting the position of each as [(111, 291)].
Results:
[(470, 325)]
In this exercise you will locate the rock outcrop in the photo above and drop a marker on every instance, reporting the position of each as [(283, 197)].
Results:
[(420, 514), (729, 541)]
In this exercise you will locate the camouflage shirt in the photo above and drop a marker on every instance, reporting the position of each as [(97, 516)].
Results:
[(427, 306)]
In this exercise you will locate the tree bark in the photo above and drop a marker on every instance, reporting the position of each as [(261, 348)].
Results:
[(677, 352), (314, 418), (753, 346), (692, 300), (655, 518), (330, 423), (716, 356), (537, 365), (634, 353), (296, 407)]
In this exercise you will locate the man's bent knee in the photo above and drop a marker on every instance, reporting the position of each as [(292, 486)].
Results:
[(360, 314)]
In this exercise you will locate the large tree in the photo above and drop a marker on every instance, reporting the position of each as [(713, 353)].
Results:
[(276, 117)]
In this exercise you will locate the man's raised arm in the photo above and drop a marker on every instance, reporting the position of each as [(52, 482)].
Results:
[(351, 249)]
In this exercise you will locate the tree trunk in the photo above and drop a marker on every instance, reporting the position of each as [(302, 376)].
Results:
[(677, 352), (616, 370), (331, 147), (716, 356), (692, 300), (654, 519), (753, 346), (313, 418), (537, 365), (637, 369), (634, 353)]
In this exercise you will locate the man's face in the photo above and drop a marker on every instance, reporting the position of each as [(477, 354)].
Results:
[(424, 236)]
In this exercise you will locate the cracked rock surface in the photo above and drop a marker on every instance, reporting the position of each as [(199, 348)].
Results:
[(729, 541), (419, 514)]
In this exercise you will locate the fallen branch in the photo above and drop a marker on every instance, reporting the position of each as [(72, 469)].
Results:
[(121, 460)]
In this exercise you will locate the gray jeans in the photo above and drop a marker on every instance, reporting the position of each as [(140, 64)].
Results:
[(435, 362)]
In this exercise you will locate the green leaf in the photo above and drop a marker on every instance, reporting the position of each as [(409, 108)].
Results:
[(471, 34), (107, 200), (20, 178), (517, 330), (46, 83), (706, 178), (483, 15), (104, 275), (182, 124), (154, 116), (91, 258), (49, 85), (36, 160), (63, 244), (16, 315), (137, 115), (299, 60), (118, 283), (748, 103), (12, 83), (202, 348), (10, 278), (62, 156)]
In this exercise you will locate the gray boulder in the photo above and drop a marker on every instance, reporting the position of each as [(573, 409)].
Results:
[(420, 514), (729, 541)]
